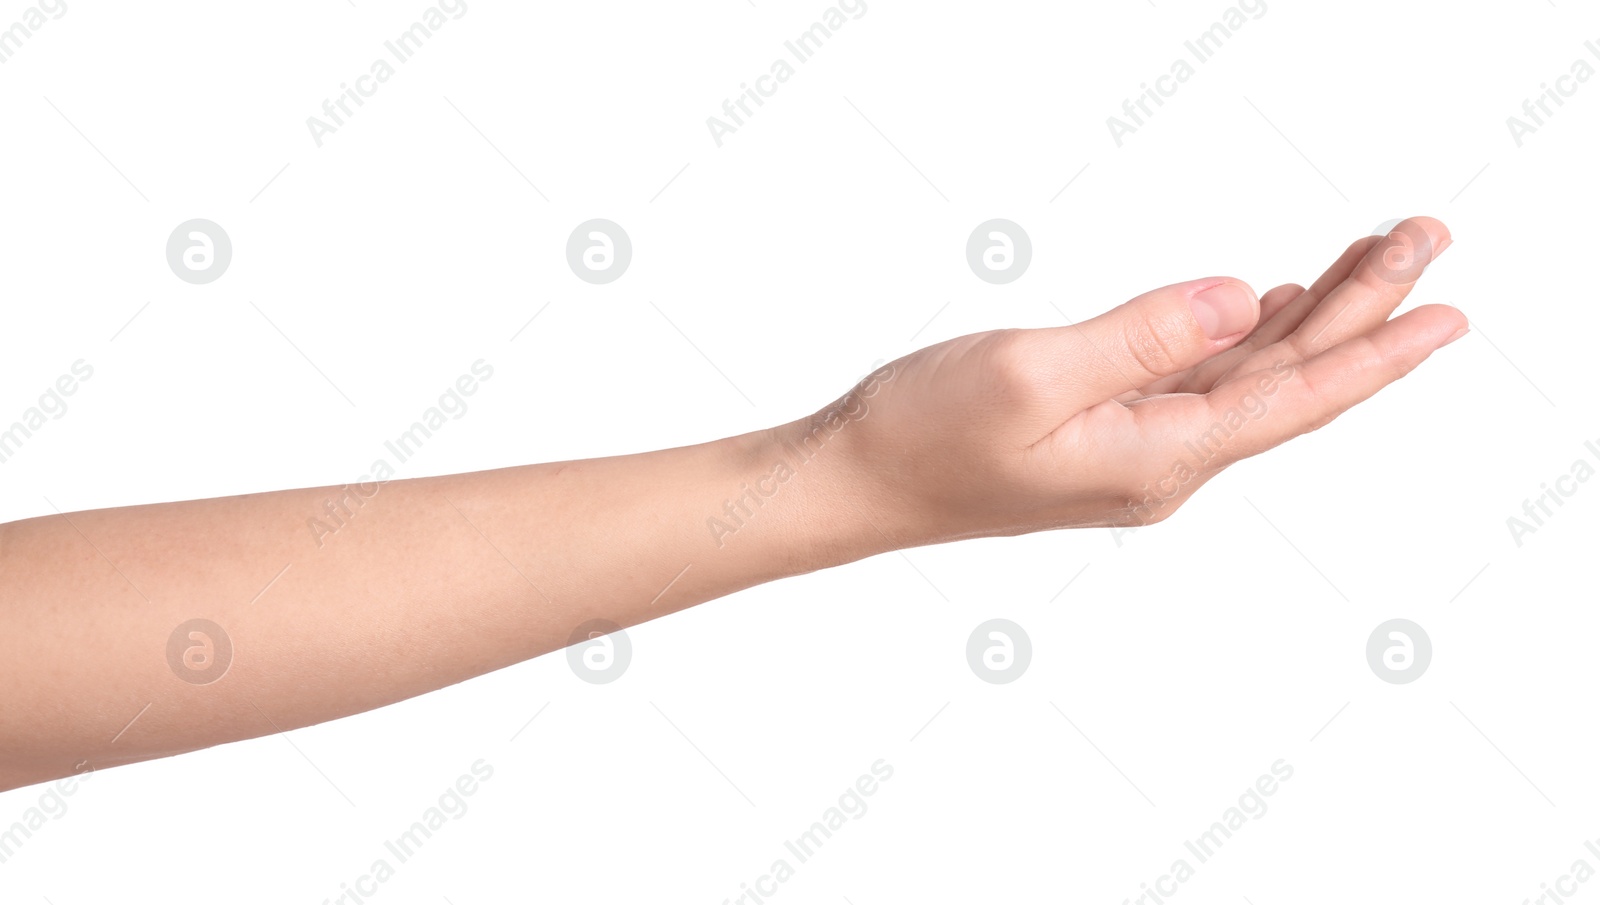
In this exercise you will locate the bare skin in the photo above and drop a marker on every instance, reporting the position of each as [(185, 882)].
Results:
[(1111, 422)]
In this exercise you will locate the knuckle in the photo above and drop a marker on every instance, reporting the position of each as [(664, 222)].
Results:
[(1303, 345), (1012, 364), (1155, 347)]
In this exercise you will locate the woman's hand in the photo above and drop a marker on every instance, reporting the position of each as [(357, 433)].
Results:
[(433, 580), (1119, 419)]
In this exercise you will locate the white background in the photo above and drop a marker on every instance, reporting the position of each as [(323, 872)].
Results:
[(828, 233)]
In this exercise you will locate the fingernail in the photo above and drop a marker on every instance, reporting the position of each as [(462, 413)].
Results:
[(1224, 309), (1457, 335)]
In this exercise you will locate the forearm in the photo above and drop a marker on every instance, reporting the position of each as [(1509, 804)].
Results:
[(393, 590)]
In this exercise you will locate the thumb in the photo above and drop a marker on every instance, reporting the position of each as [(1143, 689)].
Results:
[(1162, 332)]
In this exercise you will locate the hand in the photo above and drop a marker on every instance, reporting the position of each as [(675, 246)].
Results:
[(1114, 421), (1120, 419)]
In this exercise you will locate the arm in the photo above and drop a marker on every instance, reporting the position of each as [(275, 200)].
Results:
[(430, 581)]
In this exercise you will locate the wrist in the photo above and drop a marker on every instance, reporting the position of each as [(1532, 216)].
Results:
[(793, 498), (803, 496)]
